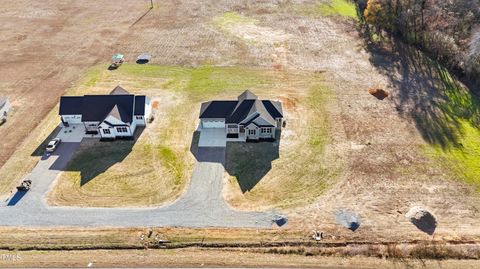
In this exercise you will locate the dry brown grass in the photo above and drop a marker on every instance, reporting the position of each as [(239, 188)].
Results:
[(198, 257)]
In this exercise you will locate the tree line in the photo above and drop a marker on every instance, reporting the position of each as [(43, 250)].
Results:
[(448, 30)]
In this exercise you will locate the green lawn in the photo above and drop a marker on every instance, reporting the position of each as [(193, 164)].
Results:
[(457, 145), (342, 8)]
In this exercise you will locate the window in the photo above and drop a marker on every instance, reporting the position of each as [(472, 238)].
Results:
[(106, 131), (252, 132), (266, 130), (139, 117), (232, 126), (122, 129)]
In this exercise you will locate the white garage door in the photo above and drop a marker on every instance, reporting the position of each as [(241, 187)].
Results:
[(72, 119), (213, 124)]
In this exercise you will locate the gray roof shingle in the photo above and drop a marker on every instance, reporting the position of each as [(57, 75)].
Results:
[(119, 104), (71, 105), (237, 111)]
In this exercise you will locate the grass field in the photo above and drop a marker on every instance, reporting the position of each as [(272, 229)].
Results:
[(459, 148), (293, 171), (342, 8), (156, 167)]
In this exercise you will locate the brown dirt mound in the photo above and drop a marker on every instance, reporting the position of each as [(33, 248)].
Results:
[(380, 94)]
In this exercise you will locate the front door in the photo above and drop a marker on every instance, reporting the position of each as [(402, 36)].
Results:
[(252, 134)]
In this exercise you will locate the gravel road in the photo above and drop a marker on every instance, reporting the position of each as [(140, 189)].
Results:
[(202, 205)]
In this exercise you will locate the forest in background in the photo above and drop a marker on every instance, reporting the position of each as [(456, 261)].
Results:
[(447, 30)]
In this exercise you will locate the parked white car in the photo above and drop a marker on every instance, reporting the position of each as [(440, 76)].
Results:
[(53, 144)]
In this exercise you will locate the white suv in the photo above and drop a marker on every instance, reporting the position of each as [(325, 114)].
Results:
[(53, 144)]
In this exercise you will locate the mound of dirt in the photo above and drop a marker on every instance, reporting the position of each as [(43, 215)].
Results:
[(347, 219), (380, 94), (423, 219)]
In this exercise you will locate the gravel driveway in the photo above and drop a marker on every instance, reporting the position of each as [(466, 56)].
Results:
[(202, 205)]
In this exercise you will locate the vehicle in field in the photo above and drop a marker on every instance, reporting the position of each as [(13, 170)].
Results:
[(117, 60)]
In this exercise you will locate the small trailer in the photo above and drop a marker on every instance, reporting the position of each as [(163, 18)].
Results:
[(144, 58)]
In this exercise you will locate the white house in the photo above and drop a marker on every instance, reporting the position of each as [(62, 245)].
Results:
[(115, 115), (246, 118), (4, 108)]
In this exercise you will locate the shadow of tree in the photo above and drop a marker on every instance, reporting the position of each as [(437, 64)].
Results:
[(425, 91), (250, 162), (94, 157)]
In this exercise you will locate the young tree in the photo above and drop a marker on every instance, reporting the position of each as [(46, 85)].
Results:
[(378, 13)]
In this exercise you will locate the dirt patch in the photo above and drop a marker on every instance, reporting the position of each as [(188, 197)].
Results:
[(380, 94), (289, 103)]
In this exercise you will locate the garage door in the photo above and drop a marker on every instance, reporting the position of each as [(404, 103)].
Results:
[(213, 124)]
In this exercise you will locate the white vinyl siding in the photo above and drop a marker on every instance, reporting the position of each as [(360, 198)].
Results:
[(122, 129), (72, 119), (266, 130), (232, 129)]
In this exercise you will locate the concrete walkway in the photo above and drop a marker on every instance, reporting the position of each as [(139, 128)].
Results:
[(202, 205)]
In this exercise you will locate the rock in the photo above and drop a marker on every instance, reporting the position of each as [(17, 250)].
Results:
[(422, 219), (380, 94), (347, 219), (280, 220)]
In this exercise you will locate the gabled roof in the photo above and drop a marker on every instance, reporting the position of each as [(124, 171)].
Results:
[(238, 111), (119, 104), (3, 101), (217, 109), (247, 95), (140, 105), (118, 113), (71, 105), (98, 107), (119, 91)]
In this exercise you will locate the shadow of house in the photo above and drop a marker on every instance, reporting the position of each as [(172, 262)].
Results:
[(250, 162), (425, 91), (93, 157)]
